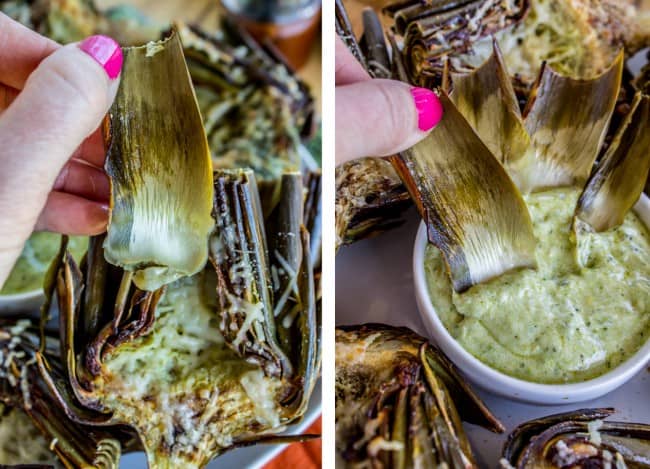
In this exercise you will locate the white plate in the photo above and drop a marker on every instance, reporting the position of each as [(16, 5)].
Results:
[(252, 457), (374, 283)]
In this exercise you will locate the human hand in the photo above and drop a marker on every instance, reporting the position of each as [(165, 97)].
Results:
[(378, 117), (52, 101)]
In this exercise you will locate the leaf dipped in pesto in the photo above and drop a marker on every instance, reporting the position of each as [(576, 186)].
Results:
[(160, 169), (473, 211), (618, 181)]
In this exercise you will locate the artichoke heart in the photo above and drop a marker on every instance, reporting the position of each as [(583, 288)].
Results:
[(160, 169)]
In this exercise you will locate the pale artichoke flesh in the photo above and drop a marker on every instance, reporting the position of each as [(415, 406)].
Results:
[(160, 169)]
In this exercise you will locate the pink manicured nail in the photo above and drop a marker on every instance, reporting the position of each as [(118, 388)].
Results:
[(428, 106), (106, 52)]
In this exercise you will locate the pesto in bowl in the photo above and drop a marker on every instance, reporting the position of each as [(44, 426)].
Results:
[(565, 322)]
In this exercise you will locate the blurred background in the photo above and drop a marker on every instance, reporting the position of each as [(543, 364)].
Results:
[(300, 35)]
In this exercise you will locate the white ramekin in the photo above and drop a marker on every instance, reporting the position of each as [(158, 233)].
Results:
[(499, 383)]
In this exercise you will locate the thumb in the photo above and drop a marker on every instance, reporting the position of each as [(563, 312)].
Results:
[(382, 117), (64, 100)]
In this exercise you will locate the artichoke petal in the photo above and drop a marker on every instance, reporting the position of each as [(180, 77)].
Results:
[(160, 169), (238, 250), (486, 98), (23, 386), (567, 120), (473, 211), (617, 183), (293, 286)]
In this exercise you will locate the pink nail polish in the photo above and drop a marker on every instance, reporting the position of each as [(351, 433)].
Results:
[(428, 106), (106, 52)]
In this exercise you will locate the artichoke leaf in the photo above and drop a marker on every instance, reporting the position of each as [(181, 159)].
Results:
[(567, 120), (522, 435), (23, 388), (617, 183), (373, 44), (160, 169), (239, 253), (460, 189), (487, 99), (313, 217)]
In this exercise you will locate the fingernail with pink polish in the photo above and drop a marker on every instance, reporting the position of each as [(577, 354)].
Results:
[(428, 106), (106, 52)]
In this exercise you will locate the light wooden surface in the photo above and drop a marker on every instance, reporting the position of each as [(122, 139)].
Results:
[(206, 14)]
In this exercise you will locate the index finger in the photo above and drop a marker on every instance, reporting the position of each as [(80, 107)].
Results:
[(21, 50)]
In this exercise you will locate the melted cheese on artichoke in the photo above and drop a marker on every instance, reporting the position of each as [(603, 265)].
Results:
[(562, 34), (185, 391)]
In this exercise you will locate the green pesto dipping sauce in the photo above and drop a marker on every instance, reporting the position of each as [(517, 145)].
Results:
[(560, 323), (40, 249)]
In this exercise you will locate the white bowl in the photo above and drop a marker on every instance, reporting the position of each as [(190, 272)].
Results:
[(499, 383), (22, 302)]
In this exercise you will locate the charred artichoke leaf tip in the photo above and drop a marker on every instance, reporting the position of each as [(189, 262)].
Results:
[(160, 169)]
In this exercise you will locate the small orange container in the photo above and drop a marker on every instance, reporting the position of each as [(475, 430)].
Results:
[(291, 25)]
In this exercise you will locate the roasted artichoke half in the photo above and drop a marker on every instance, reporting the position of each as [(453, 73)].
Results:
[(222, 359), (400, 401), (576, 37), (579, 438)]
